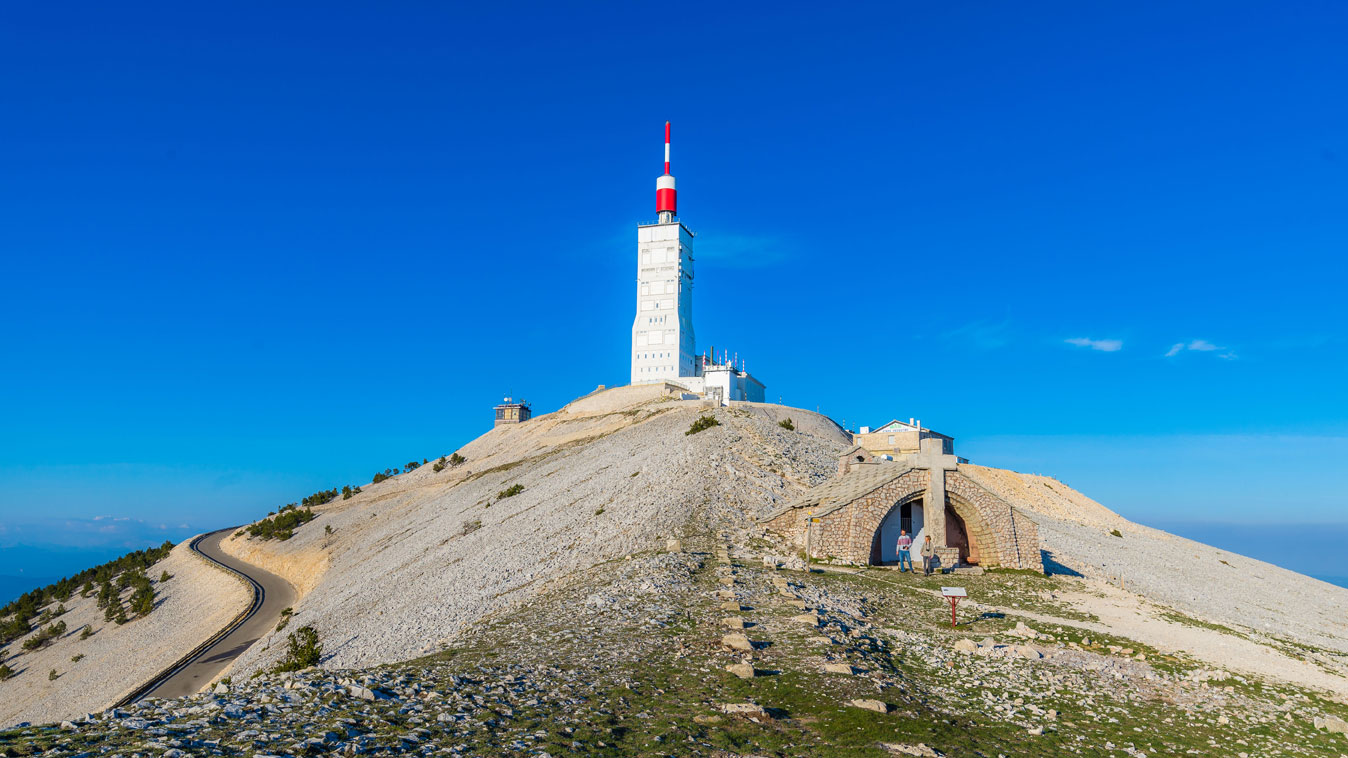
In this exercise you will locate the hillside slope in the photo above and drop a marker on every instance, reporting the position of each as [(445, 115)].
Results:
[(196, 602), (1213, 585), (416, 560)]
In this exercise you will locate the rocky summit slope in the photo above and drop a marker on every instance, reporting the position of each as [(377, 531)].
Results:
[(416, 560), (526, 602)]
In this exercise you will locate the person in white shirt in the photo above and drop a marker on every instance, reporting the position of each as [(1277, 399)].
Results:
[(905, 557)]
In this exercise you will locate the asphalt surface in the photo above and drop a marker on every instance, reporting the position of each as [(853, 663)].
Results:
[(276, 595)]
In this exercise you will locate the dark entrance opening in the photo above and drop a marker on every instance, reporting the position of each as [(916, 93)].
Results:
[(957, 536)]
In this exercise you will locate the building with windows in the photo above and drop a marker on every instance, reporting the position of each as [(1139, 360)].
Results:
[(664, 347), (899, 438), (509, 412)]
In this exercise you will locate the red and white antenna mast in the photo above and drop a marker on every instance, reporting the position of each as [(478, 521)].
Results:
[(666, 198)]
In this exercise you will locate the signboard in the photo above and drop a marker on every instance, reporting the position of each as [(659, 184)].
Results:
[(954, 595)]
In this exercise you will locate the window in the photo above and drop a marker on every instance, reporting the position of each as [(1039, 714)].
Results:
[(645, 289), (891, 439)]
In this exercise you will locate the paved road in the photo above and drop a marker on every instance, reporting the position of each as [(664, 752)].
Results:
[(276, 595)]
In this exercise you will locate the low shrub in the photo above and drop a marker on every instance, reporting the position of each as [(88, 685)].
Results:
[(510, 491), (322, 497), (77, 658), (282, 526), (439, 465), (5, 672), (42, 638), (702, 424), (457, 460), (52, 675), (1116, 533), (471, 526), (164, 577), (788, 425), (286, 613), (88, 632), (302, 650)]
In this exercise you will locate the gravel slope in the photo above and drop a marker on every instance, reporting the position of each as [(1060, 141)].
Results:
[(191, 606), (609, 475)]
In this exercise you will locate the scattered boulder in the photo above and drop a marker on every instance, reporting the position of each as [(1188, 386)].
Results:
[(361, 693), (839, 668), (747, 710), (1334, 725), (741, 670), (733, 622), (920, 749), (806, 618), (878, 706), (737, 642), (966, 646), (673, 546), (1028, 651)]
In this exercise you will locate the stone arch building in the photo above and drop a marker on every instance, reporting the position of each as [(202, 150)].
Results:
[(855, 516)]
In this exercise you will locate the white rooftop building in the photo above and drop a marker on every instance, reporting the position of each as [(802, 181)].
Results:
[(664, 348)]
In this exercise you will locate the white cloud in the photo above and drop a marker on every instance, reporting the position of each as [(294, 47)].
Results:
[(1200, 346), (1104, 346)]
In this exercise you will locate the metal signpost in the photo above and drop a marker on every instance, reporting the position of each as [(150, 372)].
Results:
[(953, 594)]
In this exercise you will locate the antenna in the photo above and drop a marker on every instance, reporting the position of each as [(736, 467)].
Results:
[(666, 198)]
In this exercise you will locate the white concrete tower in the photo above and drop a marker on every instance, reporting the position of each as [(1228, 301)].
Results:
[(663, 346)]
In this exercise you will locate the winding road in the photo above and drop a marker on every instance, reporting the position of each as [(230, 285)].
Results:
[(271, 594)]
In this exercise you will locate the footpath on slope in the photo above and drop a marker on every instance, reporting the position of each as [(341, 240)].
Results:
[(1127, 615), (277, 594)]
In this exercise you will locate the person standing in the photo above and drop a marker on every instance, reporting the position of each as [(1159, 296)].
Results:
[(928, 552), (904, 544)]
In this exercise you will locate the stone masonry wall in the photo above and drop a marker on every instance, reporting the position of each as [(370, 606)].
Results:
[(846, 534), (1003, 537)]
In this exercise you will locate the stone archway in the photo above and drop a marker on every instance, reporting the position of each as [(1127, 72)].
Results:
[(967, 529), (911, 501)]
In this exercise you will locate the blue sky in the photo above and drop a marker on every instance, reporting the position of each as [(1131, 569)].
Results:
[(251, 251)]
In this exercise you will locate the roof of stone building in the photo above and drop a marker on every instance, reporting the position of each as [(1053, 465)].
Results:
[(853, 449), (909, 426), (841, 490)]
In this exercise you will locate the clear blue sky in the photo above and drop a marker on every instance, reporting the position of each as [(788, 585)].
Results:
[(251, 251)]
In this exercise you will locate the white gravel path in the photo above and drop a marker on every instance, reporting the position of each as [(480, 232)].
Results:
[(193, 605)]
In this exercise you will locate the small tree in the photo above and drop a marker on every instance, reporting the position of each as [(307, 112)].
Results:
[(164, 577), (142, 602), (5, 672), (302, 650), (410, 466), (456, 460), (52, 675), (702, 424), (439, 465), (88, 632)]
